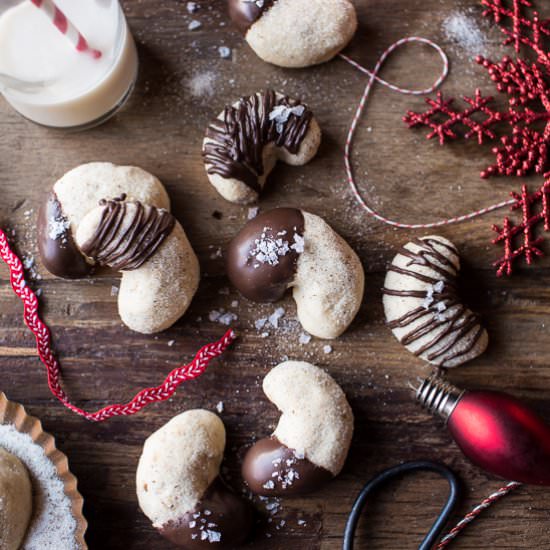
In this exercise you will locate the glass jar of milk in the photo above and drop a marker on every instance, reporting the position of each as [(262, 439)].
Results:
[(46, 78)]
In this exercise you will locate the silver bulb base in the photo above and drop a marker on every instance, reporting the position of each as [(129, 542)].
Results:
[(438, 397)]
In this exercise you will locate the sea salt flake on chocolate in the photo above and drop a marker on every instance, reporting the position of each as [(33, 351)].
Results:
[(281, 113), (298, 245), (192, 524), (57, 228), (304, 338), (269, 485), (439, 286)]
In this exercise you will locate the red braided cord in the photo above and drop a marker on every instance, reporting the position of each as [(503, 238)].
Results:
[(43, 346), (470, 516)]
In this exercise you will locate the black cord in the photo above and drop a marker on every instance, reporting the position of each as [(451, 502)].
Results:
[(397, 471)]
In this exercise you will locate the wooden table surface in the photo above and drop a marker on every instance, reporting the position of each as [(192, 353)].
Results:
[(182, 83)]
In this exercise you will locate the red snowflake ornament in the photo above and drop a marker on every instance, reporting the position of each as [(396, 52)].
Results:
[(526, 148), (535, 208)]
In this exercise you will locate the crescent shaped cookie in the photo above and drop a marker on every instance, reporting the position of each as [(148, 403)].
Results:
[(423, 307), (295, 33), (118, 216), (245, 141)]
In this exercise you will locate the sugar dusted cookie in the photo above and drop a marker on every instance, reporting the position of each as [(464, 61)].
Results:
[(243, 144), (118, 216), (179, 488), (423, 307), (15, 501), (312, 439), (295, 33), (289, 248)]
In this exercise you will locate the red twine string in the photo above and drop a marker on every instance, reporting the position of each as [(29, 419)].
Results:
[(470, 516), (373, 77), (43, 346)]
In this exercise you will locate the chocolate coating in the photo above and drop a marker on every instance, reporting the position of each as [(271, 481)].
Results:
[(244, 13), (222, 519), (58, 250), (271, 468), (266, 281), (129, 249), (235, 145)]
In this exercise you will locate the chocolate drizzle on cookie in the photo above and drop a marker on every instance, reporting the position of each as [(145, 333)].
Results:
[(234, 145), (244, 13), (451, 330), (262, 259), (128, 234), (58, 250)]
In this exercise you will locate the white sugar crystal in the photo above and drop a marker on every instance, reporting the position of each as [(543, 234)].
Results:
[(441, 307), (171, 343), (213, 536), (57, 228), (268, 249), (281, 113), (327, 349), (214, 315), (220, 407), (252, 212), (298, 245), (260, 323), (225, 52), (439, 286), (192, 7), (53, 525), (194, 25), (275, 316), (428, 300), (304, 338), (227, 318)]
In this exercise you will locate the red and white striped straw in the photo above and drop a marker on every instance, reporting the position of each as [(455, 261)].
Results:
[(66, 27), (373, 77)]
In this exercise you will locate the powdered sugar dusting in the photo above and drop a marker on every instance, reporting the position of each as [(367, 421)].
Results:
[(464, 31), (53, 526)]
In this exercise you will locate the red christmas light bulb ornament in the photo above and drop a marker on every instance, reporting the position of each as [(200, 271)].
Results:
[(497, 432)]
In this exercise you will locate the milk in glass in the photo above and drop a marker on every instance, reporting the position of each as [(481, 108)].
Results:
[(45, 78)]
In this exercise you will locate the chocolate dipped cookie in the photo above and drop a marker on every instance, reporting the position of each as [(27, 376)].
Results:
[(290, 248), (245, 141), (100, 214), (423, 307), (179, 488), (295, 33), (312, 439)]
